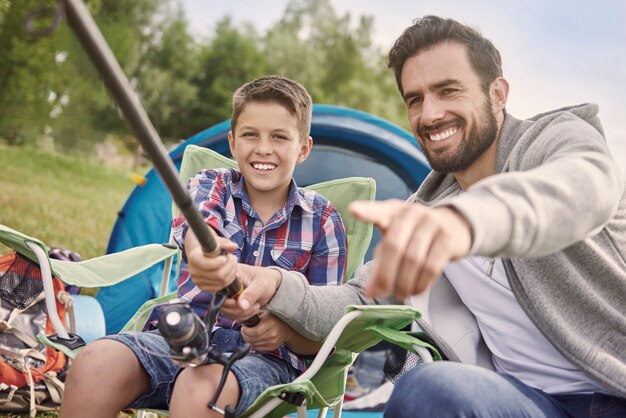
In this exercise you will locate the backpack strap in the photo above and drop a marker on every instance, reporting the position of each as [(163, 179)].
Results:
[(5, 325), (31, 390), (23, 337), (66, 299), (17, 358), (4, 396), (55, 387)]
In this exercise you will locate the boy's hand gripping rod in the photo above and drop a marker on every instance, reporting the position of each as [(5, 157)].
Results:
[(81, 21)]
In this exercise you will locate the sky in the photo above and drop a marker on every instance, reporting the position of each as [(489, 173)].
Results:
[(555, 53)]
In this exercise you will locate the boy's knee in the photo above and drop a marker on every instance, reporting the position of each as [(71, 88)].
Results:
[(203, 380), (101, 351), (197, 386), (99, 358)]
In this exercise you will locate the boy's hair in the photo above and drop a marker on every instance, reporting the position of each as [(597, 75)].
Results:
[(274, 88), (430, 31)]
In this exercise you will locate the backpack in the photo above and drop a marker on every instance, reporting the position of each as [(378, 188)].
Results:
[(31, 374)]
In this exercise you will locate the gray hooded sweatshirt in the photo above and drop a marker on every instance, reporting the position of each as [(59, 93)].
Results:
[(556, 213)]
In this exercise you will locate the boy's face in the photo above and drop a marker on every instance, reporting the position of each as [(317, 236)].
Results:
[(267, 146)]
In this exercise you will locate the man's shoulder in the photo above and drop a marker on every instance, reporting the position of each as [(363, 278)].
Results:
[(583, 111)]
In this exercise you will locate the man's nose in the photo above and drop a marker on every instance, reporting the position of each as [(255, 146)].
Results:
[(432, 110)]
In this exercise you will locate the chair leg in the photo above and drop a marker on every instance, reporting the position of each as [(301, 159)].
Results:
[(337, 409), (322, 413), (302, 411)]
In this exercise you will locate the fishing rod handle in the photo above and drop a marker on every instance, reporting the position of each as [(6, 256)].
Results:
[(234, 289)]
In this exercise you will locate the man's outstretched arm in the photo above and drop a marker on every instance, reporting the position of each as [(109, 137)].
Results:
[(312, 311)]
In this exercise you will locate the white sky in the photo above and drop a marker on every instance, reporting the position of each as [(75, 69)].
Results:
[(555, 52)]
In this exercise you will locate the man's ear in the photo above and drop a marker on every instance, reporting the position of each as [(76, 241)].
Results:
[(231, 143), (498, 93), (305, 149)]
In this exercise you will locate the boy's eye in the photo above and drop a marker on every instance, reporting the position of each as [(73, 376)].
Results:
[(281, 137), (249, 134)]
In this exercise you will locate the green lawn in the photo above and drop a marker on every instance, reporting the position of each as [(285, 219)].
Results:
[(66, 202)]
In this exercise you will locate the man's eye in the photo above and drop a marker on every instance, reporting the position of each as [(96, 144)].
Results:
[(414, 101), (447, 92)]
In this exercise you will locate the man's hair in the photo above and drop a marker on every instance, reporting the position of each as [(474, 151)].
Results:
[(278, 89), (430, 31)]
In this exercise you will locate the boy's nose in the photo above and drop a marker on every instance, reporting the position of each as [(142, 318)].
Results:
[(264, 146)]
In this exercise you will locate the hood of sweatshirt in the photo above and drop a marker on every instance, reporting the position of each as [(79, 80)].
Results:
[(438, 186)]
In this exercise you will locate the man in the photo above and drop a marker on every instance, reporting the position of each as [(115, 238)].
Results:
[(515, 245)]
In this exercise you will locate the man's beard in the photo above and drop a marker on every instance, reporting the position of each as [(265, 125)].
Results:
[(475, 143)]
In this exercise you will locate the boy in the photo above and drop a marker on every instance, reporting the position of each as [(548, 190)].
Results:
[(262, 219)]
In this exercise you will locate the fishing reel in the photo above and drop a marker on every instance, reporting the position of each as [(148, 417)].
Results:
[(189, 338)]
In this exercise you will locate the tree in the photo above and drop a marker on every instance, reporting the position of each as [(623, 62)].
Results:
[(49, 86), (338, 64), (229, 60), (165, 75), (25, 76)]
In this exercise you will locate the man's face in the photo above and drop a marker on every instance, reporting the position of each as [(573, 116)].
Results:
[(450, 114), (267, 146)]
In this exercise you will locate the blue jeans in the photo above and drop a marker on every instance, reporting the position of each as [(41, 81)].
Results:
[(446, 389), (255, 372)]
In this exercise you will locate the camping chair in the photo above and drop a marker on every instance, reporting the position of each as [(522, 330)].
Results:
[(323, 384), (340, 192), (95, 272)]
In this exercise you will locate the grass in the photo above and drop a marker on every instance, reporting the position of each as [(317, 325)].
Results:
[(66, 202)]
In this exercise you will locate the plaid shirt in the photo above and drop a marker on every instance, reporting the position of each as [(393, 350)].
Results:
[(307, 236)]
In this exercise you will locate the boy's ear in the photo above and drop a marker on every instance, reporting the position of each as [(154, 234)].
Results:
[(305, 149), (231, 143)]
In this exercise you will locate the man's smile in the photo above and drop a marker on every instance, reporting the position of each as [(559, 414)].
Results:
[(442, 135)]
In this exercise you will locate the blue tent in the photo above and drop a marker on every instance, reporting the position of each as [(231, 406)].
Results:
[(347, 143)]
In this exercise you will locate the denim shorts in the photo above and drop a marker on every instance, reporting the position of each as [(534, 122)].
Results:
[(254, 372)]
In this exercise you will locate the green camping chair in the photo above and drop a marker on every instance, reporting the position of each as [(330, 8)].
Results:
[(323, 384), (96, 272), (341, 192)]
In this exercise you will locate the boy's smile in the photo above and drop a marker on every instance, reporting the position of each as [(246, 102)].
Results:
[(266, 144)]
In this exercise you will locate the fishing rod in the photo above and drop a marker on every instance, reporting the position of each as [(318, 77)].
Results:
[(81, 22)]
